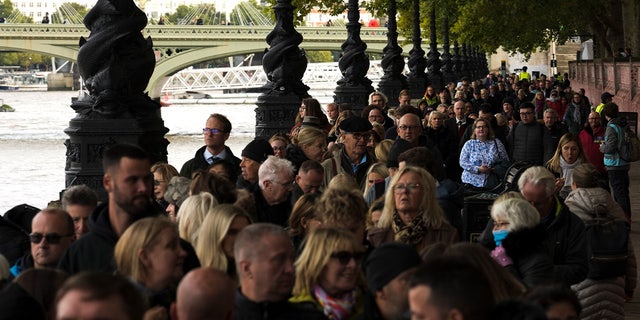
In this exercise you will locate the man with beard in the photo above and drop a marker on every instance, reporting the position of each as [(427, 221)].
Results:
[(129, 184)]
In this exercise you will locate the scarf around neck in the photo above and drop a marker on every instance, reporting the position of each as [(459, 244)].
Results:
[(412, 233), (567, 170), (336, 308)]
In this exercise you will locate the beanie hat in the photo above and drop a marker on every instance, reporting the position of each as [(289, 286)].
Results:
[(177, 190), (388, 261), (399, 146), (258, 150)]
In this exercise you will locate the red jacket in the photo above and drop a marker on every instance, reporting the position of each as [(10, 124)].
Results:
[(592, 148)]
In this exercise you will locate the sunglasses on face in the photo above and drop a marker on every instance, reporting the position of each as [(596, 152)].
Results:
[(344, 257), (52, 238)]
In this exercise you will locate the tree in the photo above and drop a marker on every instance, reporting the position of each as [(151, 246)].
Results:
[(70, 12), (516, 26), (6, 8)]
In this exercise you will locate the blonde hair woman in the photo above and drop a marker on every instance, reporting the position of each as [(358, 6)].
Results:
[(311, 143), (217, 237), (191, 214), (329, 276), (411, 213), (149, 253), (568, 155), (378, 171)]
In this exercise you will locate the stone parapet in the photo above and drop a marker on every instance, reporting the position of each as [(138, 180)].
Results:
[(619, 78)]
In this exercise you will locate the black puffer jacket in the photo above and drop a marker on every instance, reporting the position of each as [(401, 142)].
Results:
[(531, 262), (525, 143)]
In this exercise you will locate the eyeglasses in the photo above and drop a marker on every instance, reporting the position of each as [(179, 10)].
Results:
[(405, 128), (286, 185), (211, 130), (344, 257), (482, 127), (359, 135), (400, 187), (52, 238)]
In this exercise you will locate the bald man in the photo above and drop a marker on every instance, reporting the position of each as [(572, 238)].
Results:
[(204, 293)]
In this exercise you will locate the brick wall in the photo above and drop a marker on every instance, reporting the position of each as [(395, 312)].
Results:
[(616, 77)]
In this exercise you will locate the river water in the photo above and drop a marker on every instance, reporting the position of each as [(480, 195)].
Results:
[(32, 151)]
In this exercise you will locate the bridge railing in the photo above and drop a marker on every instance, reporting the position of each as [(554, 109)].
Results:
[(183, 32), (317, 75)]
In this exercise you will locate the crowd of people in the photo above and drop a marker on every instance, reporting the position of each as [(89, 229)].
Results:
[(346, 216)]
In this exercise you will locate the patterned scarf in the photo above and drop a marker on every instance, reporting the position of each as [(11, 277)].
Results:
[(335, 308), (413, 233)]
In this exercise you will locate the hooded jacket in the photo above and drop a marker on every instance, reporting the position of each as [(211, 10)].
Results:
[(94, 250)]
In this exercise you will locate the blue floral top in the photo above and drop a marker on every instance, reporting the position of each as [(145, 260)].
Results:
[(476, 153)]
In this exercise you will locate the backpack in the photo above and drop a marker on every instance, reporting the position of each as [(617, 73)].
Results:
[(607, 245), (628, 144)]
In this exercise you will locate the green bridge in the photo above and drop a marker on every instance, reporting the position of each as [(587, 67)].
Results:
[(189, 44)]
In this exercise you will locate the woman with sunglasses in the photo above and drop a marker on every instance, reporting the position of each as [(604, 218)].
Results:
[(329, 278), (411, 213)]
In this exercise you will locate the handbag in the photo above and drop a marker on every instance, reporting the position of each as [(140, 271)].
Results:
[(500, 169)]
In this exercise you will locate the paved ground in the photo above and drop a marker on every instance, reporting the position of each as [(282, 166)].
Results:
[(633, 308)]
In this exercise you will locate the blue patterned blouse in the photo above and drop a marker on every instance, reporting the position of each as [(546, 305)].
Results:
[(476, 153)]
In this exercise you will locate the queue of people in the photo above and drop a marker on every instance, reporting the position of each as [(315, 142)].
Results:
[(335, 220)]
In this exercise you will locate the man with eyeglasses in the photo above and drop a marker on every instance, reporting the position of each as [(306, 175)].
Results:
[(216, 132), (525, 140), (353, 158), (52, 232), (272, 198)]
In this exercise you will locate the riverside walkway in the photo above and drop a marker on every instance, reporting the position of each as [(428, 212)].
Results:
[(632, 308)]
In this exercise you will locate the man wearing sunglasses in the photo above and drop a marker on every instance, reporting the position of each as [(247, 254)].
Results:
[(52, 232)]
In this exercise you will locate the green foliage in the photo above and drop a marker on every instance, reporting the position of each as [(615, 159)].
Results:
[(71, 12), (25, 60), (303, 7), (319, 56), (6, 8)]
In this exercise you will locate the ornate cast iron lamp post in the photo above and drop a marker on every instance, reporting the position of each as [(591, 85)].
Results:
[(354, 87), (393, 81), (116, 63), (447, 64), (433, 57), (417, 78), (285, 64)]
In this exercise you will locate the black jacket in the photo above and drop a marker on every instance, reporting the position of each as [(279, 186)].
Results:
[(94, 250), (200, 163), (531, 262), (525, 143), (245, 309), (565, 244), (276, 214), (551, 139)]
